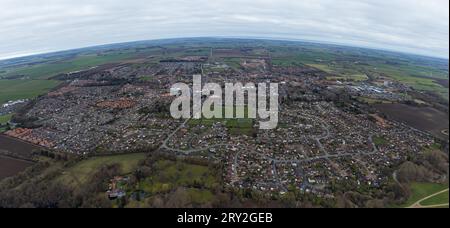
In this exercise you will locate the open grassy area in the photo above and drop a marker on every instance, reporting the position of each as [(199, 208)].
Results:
[(235, 126), (4, 119), (341, 74), (380, 141), (285, 62), (29, 81), (357, 66), (233, 62), (194, 183), (351, 77), (422, 190), (169, 175), (205, 122), (322, 67), (145, 78), (414, 79), (442, 198), (24, 89), (82, 171), (45, 71), (368, 100)]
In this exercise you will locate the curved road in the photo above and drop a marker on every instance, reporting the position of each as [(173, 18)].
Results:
[(274, 161), (186, 152)]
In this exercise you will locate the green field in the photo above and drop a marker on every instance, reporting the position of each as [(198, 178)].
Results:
[(419, 80), (4, 119), (192, 183), (233, 62), (45, 71), (11, 90), (355, 65), (3, 129), (380, 141), (29, 81), (442, 198), (422, 190), (345, 64), (179, 173), (340, 73), (80, 173), (235, 126), (169, 175), (368, 100), (145, 78)]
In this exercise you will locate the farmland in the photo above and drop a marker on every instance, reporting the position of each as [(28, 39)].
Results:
[(353, 64), (10, 149), (10, 167), (16, 148), (327, 142), (30, 81), (47, 70), (340, 73), (11, 90), (422, 118)]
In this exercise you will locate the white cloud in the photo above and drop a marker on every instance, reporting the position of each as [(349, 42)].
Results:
[(418, 26)]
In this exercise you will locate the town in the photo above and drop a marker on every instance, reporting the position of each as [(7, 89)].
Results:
[(325, 135)]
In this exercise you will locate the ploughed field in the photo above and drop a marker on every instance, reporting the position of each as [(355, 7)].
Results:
[(422, 118), (16, 148), (11, 153), (10, 166)]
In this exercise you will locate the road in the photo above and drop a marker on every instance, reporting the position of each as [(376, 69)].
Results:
[(186, 152), (273, 161)]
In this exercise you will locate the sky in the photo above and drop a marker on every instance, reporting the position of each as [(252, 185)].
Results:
[(39, 26)]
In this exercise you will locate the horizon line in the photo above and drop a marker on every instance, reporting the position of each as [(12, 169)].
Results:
[(225, 37)]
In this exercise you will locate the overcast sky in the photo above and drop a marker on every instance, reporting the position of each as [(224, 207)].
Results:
[(38, 26)]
